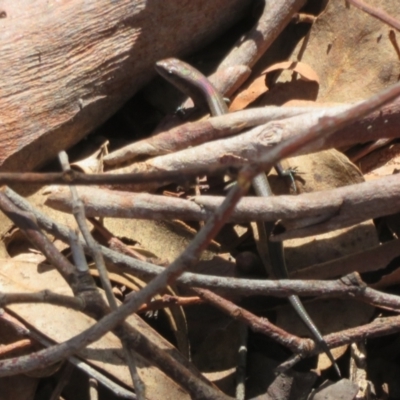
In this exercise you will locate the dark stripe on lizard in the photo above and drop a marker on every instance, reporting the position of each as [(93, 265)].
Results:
[(195, 85)]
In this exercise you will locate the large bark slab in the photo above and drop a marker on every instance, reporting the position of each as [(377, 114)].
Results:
[(67, 66)]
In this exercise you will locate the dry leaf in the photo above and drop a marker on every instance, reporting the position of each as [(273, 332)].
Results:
[(258, 86), (351, 51)]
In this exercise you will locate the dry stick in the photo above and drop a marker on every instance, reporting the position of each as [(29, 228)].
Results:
[(22, 344), (303, 215), (62, 381), (257, 324), (383, 123), (168, 301), (190, 256), (238, 150), (248, 49), (377, 13), (232, 285), (78, 178), (79, 214), (356, 155), (195, 133), (44, 296), (245, 287), (195, 385), (78, 254), (93, 390)]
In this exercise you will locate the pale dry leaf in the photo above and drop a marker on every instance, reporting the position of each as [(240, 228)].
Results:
[(304, 70), (351, 51), (258, 86), (164, 239)]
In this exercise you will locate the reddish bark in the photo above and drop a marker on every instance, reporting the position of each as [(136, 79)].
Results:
[(67, 66)]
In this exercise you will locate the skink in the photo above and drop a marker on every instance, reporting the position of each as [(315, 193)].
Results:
[(195, 85)]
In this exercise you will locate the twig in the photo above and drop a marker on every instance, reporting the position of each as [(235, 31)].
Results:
[(300, 216), (195, 133), (365, 150), (388, 118), (248, 49), (45, 296), (77, 252), (62, 381), (168, 301), (5, 349), (377, 13), (93, 390), (77, 178), (79, 214), (255, 323)]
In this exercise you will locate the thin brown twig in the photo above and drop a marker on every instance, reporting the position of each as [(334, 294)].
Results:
[(79, 214), (255, 323), (44, 296), (356, 132), (300, 216), (6, 349), (275, 17), (377, 13), (168, 301), (195, 133), (299, 18), (62, 381)]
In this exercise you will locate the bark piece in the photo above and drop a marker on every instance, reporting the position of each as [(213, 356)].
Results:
[(68, 66)]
